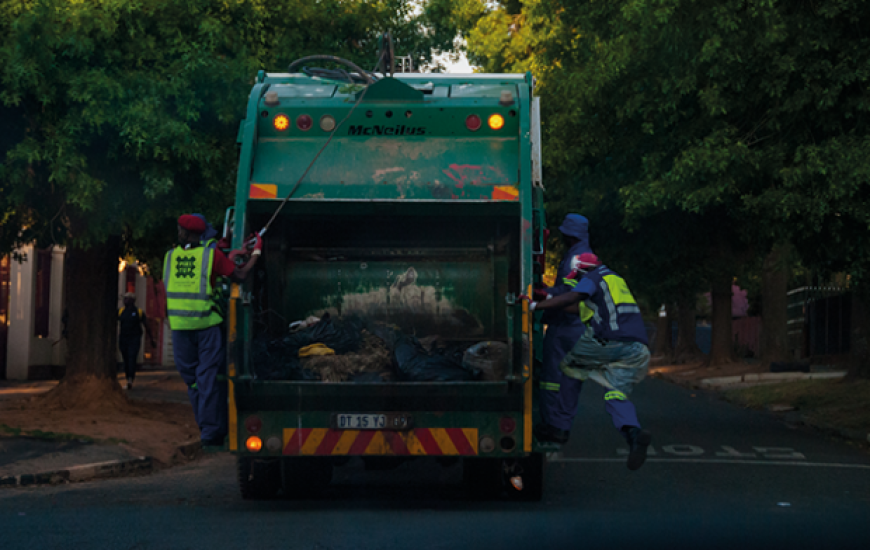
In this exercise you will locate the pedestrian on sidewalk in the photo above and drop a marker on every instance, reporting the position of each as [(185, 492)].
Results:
[(190, 275), (131, 319), (613, 351)]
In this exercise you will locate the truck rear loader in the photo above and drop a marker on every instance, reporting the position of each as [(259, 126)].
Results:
[(424, 213)]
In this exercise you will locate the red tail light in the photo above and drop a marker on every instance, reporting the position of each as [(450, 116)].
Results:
[(253, 424), (507, 425), (303, 122), (472, 122)]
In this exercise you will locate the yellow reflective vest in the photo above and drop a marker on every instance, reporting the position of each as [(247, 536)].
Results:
[(189, 296)]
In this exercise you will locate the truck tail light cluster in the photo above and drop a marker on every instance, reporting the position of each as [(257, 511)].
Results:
[(473, 122)]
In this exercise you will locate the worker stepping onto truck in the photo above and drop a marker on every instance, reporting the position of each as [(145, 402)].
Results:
[(190, 274), (559, 393), (613, 350)]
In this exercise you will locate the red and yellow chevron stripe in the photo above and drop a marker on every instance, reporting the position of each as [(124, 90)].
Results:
[(263, 191), (505, 193), (419, 441)]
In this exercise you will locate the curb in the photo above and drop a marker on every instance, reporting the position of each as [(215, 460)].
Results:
[(769, 378), (98, 470), (855, 435)]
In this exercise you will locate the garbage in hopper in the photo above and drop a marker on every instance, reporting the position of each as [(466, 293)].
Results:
[(352, 349)]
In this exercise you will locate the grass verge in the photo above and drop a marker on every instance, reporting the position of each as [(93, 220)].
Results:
[(840, 403)]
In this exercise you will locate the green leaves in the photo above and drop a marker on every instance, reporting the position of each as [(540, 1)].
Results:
[(126, 111)]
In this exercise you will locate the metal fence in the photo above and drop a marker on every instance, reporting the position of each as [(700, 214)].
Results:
[(819, 321)]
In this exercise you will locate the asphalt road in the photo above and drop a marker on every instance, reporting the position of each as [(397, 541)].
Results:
[(721, 477)]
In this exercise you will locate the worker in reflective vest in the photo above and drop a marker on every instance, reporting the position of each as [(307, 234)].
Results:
[(190, 272), (612, 351), (559, 394)]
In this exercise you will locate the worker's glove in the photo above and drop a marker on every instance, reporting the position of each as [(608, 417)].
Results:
[(532, 306), (539, 294), (224, 243), (256, 243)]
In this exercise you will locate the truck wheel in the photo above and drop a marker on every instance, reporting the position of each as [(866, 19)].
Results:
[(533, 479), (305, 477), (483, 477), (259, 479)]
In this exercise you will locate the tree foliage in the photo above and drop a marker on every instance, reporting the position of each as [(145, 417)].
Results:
[(119, 115), (124, 113), (742, 122)]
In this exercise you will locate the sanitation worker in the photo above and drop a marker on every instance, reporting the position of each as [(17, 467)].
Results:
[(190, 273), (559, 393), (612, 351), (131, 320)]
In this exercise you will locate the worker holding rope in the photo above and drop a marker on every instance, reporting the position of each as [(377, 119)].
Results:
[(189, 273)]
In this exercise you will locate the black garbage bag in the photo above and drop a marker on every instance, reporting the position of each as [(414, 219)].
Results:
[(341, 336), (414, 364), (271, 360)]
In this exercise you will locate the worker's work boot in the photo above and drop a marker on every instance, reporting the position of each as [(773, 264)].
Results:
[(546, 433), (638, 441)]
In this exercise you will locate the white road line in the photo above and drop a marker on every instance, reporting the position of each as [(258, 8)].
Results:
[(720, 461)]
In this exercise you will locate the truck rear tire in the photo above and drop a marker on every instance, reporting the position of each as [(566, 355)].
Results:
[(259, 479), (483, 477), (305, 477)]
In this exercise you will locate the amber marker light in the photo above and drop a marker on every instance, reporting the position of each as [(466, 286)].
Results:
[(496, 122), (254, 444), (281, 122)]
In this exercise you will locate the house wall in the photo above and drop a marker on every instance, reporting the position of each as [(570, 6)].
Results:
[(29, 356)]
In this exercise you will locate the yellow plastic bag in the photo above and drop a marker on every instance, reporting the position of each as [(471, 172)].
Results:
[(316, 349)]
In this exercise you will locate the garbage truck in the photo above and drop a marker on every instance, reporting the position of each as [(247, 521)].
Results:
[(410, 202)]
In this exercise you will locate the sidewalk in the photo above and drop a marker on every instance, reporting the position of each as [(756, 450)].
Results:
[(40, 445), (818, 399)]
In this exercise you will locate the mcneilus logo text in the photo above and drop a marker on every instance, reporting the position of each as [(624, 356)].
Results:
[(377, 130)]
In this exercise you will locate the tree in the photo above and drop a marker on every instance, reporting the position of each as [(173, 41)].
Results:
[(751, 114), (120, 116)]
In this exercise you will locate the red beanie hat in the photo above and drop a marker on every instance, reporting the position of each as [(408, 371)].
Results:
[(588, 260), (192, 223)]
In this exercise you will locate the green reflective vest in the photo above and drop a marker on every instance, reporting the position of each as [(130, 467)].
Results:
[(189, 301)]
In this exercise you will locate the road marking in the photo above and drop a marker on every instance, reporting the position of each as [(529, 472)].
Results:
[(718, 461), (681, 449)]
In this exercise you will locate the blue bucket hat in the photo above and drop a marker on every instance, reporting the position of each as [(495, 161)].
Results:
[(575, 225)]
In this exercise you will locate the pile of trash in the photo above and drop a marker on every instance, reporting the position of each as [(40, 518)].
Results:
[(352, 349)]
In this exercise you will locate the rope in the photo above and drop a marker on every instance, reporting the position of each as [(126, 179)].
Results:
[(310, 165)]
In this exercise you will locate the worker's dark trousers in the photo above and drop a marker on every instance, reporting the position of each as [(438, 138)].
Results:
[(199, 357), (129, 347), (559, 393)]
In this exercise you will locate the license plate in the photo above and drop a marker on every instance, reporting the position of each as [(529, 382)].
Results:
[(360, 421)]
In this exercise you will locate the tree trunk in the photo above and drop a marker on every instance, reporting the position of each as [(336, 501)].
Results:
[(663, 349), (91, 300), (721, 347), (774, 304), (687, 350)]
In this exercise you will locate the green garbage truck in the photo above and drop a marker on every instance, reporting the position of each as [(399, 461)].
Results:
[(412, 202)]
